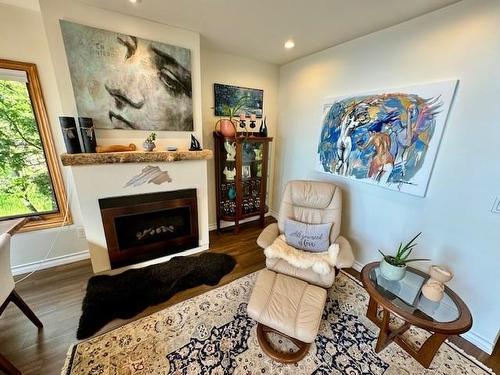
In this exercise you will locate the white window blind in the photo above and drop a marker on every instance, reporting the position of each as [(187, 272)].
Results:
[(13, 75)]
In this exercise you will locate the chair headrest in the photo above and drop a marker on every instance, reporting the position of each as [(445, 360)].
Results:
[(310, 194)]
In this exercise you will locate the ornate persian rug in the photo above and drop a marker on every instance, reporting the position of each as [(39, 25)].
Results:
[(212, 334)]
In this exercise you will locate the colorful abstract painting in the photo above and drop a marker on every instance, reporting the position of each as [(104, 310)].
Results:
[(389, 138), (125, 82)]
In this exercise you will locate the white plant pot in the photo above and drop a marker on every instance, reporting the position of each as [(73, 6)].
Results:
[(390, 272), (148, 146)]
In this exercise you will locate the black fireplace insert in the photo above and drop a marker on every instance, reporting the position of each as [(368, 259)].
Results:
[(147, 226)]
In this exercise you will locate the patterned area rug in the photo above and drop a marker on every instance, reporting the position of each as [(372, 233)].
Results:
[(212, 334)]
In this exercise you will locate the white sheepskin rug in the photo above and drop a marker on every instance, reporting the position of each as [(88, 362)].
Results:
[(321, 263)]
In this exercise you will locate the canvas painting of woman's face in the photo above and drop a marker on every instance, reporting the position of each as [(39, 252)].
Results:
[(125, 82)]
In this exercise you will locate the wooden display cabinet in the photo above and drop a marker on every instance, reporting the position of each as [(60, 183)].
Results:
[(241, 165)]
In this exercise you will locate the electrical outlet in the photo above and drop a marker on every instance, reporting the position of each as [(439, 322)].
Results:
[(81, 233), (496, 206)]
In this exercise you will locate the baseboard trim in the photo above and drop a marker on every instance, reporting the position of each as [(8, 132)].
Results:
[(49, 263), (358, 266), (470, 336), (479, 341)]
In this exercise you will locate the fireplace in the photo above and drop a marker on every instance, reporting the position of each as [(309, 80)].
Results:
[(147, 226)]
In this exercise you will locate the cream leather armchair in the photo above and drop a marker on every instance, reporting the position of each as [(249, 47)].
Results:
[(311, 202)]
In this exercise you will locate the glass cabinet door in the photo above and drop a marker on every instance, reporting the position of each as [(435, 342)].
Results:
[(227, 170), (251, 176)]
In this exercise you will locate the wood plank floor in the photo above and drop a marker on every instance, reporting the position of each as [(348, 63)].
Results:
[(56, 295)]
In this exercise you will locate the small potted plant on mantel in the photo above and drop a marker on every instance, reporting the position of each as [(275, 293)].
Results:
[(227, 127), (393, 267), (149, 143)]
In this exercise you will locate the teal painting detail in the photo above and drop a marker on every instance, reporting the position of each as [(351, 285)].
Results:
[(389, 138), (226, 95)]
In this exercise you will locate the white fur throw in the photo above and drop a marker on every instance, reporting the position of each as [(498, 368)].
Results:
[(319, 262)]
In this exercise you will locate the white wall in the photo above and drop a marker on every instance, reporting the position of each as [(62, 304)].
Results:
[(460, 41), (94, 182), (23, 39), (237, 71)]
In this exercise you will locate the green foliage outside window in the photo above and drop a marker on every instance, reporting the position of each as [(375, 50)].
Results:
[(25, 184)]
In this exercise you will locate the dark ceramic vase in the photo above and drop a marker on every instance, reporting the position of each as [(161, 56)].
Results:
[(263, 128), (70, 134), (88, 134)]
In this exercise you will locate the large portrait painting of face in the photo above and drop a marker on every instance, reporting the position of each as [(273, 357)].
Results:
[(125, 82), (388, 138)]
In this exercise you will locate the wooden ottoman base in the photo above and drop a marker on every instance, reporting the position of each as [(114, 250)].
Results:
[(282, 357)]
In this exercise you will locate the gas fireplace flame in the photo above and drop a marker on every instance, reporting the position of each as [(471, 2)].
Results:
[(151, 232)]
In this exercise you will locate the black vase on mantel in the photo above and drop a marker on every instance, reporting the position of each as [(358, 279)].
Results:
[(263, 128), (70, 134), (88, 134)]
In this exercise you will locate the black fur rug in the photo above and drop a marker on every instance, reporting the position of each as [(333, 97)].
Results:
[(127, 294)]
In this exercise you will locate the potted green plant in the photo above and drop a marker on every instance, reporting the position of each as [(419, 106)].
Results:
[(149, 143), (227, 126), (393, 267)]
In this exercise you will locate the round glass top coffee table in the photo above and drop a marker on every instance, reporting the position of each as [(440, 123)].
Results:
[(404, 298)]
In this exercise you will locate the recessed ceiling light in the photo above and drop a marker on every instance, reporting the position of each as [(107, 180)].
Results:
[(135, 1), (289, 44)]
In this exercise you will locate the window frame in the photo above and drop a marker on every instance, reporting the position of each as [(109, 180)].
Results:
[(63, 215)]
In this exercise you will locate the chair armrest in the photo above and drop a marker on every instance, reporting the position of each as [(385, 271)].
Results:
[(345, 258), (268, 235)]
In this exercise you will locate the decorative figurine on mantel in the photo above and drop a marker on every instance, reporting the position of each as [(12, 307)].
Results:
[(229, 173), (433, 289), (70, 134), (195, 144), (149, 143), (88, 134), (231, 150)]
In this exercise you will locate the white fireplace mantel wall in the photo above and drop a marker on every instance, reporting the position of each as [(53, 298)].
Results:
[(93, 182), (89, 183)]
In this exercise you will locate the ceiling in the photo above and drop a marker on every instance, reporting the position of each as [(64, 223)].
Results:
[(259, 28), (28, 4)]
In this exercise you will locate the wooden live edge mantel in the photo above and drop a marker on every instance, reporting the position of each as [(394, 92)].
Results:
[(134, 157)]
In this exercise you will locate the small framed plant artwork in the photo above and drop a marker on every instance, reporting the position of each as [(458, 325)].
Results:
[(227, 96)]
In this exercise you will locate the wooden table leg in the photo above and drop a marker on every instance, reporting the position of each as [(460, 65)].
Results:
[(427, 351), (424, 355), (371, 313), (383, 336), (386, 335), (16, 298), (7, 367)]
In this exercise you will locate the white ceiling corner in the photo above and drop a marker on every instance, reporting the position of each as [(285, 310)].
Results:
[(259, 28)]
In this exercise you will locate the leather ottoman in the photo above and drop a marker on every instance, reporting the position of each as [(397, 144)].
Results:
[(289, 307)]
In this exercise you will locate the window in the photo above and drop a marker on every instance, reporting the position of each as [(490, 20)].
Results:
[(30, 180)]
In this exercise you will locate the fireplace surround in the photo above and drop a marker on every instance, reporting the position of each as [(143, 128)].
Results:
[(147, 226)]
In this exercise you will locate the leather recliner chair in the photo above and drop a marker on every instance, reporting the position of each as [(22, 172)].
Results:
[(289, 300), (311, 202)]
